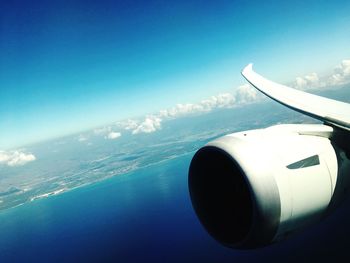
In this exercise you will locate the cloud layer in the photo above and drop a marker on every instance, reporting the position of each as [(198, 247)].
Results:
[(308, 81), (242, 95), (113, 135), (340, 76), (16, 158), (151, 123), (224, 100), (341, 73), (246, 94)]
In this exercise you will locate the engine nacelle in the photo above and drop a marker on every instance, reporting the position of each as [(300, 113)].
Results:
[(252, 188)]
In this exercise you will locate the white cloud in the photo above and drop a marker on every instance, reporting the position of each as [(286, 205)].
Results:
[(224, 100), (341, 73), (183, 109), (128, 124), (150, 124), (180, 110), (247, 94), (113, 135), (82, 138), (16, 158), (102, 130), (340, 76), (309, 81), (208, 104)]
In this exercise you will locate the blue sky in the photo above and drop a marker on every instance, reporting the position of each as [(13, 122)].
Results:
[(67, 66)]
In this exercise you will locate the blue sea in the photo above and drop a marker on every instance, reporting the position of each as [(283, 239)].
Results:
[(145, 216)]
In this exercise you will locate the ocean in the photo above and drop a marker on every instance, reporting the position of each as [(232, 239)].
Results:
[(144, 216)]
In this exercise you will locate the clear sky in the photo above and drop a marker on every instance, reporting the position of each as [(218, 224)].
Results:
[(67, 66)]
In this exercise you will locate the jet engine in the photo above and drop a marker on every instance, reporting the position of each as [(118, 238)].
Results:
[(253, 188)]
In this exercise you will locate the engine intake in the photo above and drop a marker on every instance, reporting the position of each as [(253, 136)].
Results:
[(221, 195)]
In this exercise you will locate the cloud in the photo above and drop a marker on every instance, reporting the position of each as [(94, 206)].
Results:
[(341, 74), (16, 158), (113, 135), (151, 123), (107, 132), (246, 94), (82, 138), (224, 100), (309, 81), (128, 124), (102, 130), (180, 110)]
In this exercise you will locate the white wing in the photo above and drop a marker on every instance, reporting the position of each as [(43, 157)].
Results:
[(330, 111)]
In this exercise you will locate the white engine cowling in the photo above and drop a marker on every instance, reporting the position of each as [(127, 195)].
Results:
[(252, 188)]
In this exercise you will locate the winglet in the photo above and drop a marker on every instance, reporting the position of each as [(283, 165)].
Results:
[(247, 69)]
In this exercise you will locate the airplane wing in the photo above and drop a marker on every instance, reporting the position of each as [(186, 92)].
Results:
[(330, 111)]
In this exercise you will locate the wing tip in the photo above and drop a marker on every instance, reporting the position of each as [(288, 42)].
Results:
[(247, 69)]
